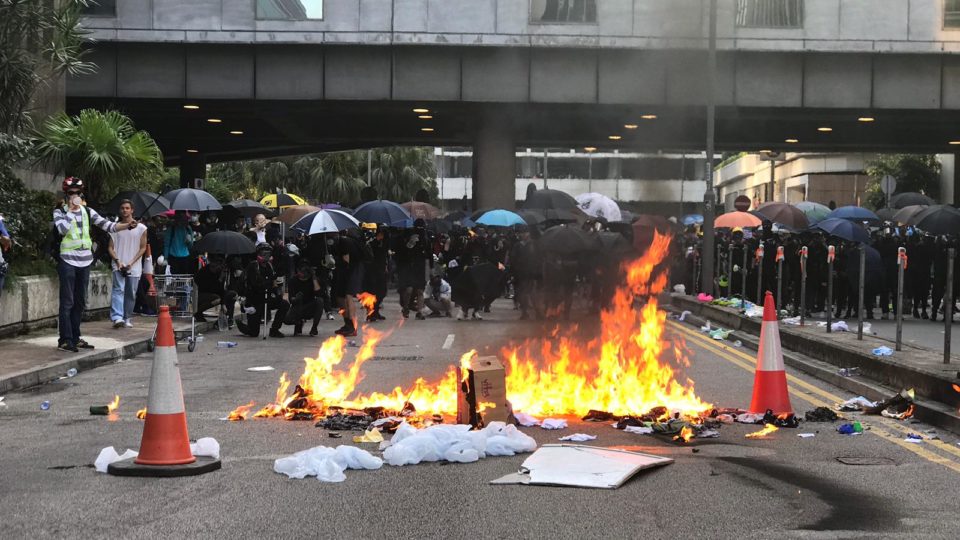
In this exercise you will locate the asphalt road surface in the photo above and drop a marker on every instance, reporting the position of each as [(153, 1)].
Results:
[(782, 486)]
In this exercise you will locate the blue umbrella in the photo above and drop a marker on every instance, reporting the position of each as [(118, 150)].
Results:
[(845, 229), (692, 219), (387, 212), (854, 213), (500, 218)]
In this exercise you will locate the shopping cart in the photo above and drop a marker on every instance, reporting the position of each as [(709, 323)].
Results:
[(179, 293)]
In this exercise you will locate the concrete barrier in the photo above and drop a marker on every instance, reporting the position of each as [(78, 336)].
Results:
[(33, 302)]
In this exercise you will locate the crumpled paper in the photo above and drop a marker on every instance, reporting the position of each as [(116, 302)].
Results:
[(683, 316), (553, 423), (750, 418), (327, 464), (109, 455), (883, 351), (579, 437), (639, 430), (372, 435), (455, 443), (526, 420)]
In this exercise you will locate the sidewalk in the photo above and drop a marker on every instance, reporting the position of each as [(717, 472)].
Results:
[(33, 358)]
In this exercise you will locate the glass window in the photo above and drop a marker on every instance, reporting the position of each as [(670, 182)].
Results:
[(290, 10), (951, 14), (100, 8), (770, 13), (563, 11)]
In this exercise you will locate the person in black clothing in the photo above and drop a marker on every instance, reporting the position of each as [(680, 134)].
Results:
[(304, 299), (412, 256), (347, 279), (375, 271), (211, 291), (525, 268), (263, 290), (918, 273)]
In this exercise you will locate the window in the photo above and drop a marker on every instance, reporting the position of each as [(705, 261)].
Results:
[(100, 8), (770, 13), (563, 11), (290, 10), (951, 14)]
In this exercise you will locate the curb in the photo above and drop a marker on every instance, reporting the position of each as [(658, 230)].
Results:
[(53, 370)]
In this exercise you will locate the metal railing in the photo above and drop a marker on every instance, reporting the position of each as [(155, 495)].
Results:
[(770, 13)]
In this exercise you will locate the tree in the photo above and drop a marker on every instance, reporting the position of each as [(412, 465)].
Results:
[(103, 148), (398, 173), (914, 173)]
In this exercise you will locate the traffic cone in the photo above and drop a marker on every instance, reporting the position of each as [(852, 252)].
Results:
[(165, 446), (770, 381)]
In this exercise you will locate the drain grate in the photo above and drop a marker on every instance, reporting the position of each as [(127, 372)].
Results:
[(858, 460), (396, 358)]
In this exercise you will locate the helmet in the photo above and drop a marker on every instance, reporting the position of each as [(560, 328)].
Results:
[(71, 182), (369, 226), (264, 247)]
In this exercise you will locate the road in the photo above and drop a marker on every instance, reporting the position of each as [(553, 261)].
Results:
[(717, 488)]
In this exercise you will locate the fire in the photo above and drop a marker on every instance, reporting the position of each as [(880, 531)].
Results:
[(142, 413), (956, 388), (368, 301), (686, 433), (241, 412), (112, 406), (767, 429)]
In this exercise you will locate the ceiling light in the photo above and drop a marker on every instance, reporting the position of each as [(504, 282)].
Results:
[(649, 117), (214, 120), (791, 141), (630, 126), (866, 119), (425, 117), (590, 148), (426, 130), (191, 107), (421, 111), (236, 132), (614, 137), (954, 142), (192, 150), (825, 129), (764, 151)]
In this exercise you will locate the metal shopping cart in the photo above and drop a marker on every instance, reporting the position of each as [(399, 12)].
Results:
[(180, 294)]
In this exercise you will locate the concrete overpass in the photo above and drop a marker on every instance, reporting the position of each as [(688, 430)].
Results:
[(493, 74)]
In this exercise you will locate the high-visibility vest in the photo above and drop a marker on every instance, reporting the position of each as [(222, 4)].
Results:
[(78, 237)]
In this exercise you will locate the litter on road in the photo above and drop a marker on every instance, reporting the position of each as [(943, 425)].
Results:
[(579, 437), (526, 420), (883, 351), (553, 423), (454, 442), (260, 368), (820, 414), (581, 466), (806, 435), (854, 428), (372, 435), (639, 430), (857, 404), (326, 463)]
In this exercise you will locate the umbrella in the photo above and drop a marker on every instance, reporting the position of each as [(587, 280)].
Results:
[(145, 203), (886, 214), (814, 211), (531, 217), (500, 218), (381, 211), (282, 200), (845, 229), (293, 214), (692, 219), (248, 208), (439, 226), (325, 221), (478, 285), (938, 219), (597, 205), (627, 216), (421, 210), (195, 200), (907, 213), (567, 241), (613, 242), (855, 213), (225, 243), (737, 219), (910, 198), (784, 214), (550, 199), (456, 215)]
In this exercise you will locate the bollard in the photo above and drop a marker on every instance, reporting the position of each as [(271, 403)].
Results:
[(743, 280), (831, 253), (779, 279), (901, 267), (730, 270), (803, 284), (758, 260), (863, 269), (948, 306)]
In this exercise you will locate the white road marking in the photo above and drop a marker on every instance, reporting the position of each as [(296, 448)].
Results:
[(447, 343)]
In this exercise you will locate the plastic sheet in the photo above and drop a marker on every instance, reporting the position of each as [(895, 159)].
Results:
[(326, 463), (109, 455), (526, 420), (553, 423), (456, 443), (579, 437), (206, 446)]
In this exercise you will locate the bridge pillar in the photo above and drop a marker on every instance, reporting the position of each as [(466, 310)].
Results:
[(192, 166), (494, 163)]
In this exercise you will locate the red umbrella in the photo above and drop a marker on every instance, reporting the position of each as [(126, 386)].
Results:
[(422, 210), (737, 219)]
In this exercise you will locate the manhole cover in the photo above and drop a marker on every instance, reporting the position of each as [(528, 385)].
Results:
[(855, 460), (397, 358)]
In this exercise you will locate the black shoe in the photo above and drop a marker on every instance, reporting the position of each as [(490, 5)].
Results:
[(67, 346), (406, 314), (435, 315), (420, 317), (346, 331), (916, 314), (933, 318), (486, 309), (298, 330), (923, 314), (199, 318), (313, 331), (81, 344), (275, 333)]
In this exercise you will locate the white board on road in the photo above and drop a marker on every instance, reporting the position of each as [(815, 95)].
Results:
[(447, 343)]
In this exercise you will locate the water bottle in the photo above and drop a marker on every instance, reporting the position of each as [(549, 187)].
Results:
[(45, 406), (71, 372), (226, 344), (198, 339)]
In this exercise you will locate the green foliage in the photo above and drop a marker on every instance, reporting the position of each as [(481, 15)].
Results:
[(914, 173), (103, 148), (27, 215)]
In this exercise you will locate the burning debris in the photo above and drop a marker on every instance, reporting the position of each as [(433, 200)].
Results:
[(241, 412), (899, 406), (142, 414), (767, 430), (369, 302), (106, 410)]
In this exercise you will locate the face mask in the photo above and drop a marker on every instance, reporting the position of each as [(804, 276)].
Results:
[(76, 200), (330, 242)]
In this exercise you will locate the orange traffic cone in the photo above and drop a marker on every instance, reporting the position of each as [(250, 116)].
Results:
[(165, 446), (770, 382)]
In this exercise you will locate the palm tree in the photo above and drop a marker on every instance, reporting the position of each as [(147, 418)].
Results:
[(103, 148), (398, 173)]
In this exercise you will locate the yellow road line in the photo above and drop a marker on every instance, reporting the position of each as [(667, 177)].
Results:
[(724, 352)]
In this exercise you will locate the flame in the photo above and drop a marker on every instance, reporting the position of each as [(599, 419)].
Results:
[(112, 406), (368, 301), (142, 414), (686, 433), (241, 412), (956, 388), (767, 429)]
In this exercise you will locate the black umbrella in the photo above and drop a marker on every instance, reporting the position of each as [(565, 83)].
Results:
[(478, 285), (456, 215), (532, 217), (145, 204), (550, 199), (568, 241), (843, 228), (907, 213), (887, 214), (910, 198), (249, 208), (193, 200), (614, 242), (938, 219), (225, 243), (440, 226)]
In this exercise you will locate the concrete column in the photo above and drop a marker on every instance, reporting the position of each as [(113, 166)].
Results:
[(192, 166), (949, 179), (494, 163)]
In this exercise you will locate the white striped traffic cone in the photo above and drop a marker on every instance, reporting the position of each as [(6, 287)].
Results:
[(770, 381)]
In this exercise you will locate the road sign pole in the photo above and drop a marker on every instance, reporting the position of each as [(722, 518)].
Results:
[(901, 266), (803, 284), (730, 270), (830, 256), (863, 268), (948, 306), (779, 279)]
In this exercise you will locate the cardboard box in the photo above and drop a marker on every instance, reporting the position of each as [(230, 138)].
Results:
[(482, 393)]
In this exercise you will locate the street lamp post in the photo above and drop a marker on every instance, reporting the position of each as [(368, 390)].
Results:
[(709, 197)]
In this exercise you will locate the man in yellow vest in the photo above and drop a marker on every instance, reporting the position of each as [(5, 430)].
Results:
[(72, 220)]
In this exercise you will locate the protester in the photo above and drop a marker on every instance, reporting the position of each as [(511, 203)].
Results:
[(212, 290), (412, 257), (263, 295), (126, 253), (347, 279), (375, 272), (438, 297), (304, 299), (72, 220), (177, 240)]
